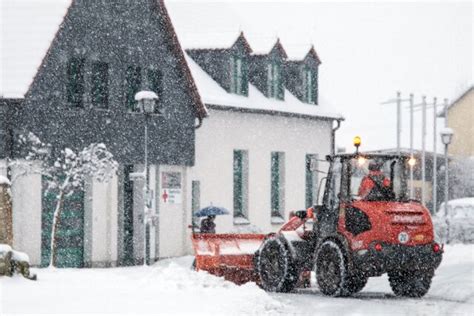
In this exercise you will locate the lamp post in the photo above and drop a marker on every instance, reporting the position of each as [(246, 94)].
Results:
[(146, 102), (446, 137)]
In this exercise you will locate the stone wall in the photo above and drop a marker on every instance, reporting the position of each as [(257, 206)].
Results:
[(6, 228)]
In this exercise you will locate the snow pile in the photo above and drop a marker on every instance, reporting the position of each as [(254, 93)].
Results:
[(20, 256), (168, 287), (4, 180), (5, 248)]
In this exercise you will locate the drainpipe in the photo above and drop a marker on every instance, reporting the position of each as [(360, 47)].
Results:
[(333, 137)]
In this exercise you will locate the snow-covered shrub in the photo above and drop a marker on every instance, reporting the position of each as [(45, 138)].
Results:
[(67, 172)]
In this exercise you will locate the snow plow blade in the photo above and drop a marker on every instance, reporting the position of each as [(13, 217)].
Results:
[(227, 255)]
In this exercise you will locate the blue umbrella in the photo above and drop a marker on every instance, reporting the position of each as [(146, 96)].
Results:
[(211, 210)]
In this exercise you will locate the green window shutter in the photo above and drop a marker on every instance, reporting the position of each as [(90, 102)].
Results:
[(100, 85), (245, 77), (232, 74), (315, 87), (156, 81), (275, 184), (133, 82), (75, 85), (279, 82), (238, 184), (195, 195), (270, 80), (155, 78)]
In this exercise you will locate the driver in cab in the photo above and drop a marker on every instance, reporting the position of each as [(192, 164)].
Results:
[(374, 185)]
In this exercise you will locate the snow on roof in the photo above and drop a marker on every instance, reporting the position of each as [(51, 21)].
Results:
[(28, 28), (213, 94)]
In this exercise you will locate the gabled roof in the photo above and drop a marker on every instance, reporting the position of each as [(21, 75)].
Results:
[(29, 28), (244, 42), (214, 96), (279, 49), (312, 54)]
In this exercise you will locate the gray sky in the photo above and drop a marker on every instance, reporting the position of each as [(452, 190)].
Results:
[(369, 51)]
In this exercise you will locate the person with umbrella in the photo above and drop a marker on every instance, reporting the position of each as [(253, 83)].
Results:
[(207, 225)]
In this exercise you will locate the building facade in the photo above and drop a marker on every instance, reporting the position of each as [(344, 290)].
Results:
[(460, 119), (98, 56), (261, 152)]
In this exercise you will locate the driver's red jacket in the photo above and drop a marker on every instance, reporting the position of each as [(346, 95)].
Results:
[(367, 184)]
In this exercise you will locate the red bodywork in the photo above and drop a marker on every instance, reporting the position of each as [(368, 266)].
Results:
[(388, 220), (227, 255)]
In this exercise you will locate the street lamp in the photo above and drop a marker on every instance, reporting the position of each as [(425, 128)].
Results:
[(146, 102), (446, 137)]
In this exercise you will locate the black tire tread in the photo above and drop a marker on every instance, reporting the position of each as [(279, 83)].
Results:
[(290, 278), (415, 283)]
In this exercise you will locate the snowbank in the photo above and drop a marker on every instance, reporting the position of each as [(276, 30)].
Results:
[(170, 287), (4, 180), (5, 248)]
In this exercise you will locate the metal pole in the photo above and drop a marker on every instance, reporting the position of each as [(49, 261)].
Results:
[(145, 195), (435, 160), (445, 112), (446, 173), (446, 189), (399, 120), (423, 151), (411, 145)]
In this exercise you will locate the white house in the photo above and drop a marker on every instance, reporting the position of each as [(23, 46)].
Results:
[(262, 148)]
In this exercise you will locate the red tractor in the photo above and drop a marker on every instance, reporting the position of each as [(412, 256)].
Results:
[(366, 226)]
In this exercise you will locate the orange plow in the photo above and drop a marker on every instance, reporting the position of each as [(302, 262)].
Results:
[(227, 255)]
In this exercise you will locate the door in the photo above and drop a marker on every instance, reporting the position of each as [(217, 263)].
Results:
[(128, 257), (70, 234)]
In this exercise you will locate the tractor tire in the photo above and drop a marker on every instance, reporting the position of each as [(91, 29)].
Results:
[(415, 283), (355, 284), (332, 273), (275, 266)]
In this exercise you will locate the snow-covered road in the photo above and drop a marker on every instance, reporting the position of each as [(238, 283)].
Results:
[(170, 287)]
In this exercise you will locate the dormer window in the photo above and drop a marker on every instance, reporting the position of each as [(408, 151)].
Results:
[(274, 81), (239, 77), (309, 84)]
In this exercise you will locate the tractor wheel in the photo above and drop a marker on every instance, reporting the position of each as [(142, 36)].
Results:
[(355, 284), (415, 283), (332, 273), (275, 266)]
